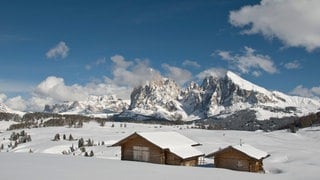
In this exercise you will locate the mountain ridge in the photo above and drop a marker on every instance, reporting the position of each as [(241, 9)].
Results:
[(220, 95), (94, 105)]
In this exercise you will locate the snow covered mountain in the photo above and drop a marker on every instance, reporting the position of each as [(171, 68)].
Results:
[(217, 96), (3, 108), (93, 105), (159, 99)]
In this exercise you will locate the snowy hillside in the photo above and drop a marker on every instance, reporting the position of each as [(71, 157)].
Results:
[(293, 156), (93, 105), (217, 96)]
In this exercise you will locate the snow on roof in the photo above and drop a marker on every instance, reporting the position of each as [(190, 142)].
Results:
[(175, 142), (251, 151)]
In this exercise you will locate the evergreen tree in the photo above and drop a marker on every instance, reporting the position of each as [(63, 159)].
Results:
[(70, 138), (90, 142), (28, 138), (72, 148), (1, 147), (86, 154), (15, 144), (14, 136), (83, 149), (64, 137), (80, 124), (80, 142), (22, 133), (56, 137), (91, 153), (102, 123)]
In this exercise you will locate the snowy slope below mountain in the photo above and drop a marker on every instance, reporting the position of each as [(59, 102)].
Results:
[(93, 105), (216, 96), (293, 155)]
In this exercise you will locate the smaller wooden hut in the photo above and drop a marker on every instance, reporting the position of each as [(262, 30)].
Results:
[(241, 157), (159, 147)]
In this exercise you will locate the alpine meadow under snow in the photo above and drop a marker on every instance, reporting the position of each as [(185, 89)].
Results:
[(293, 155)]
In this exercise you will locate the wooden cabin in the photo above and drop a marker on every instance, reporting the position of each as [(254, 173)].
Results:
[(240, 157), (160, 147)]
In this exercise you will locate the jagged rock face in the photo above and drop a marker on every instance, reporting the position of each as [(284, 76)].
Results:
[(215, 96), (225, 92), (94, 104), (156, 93), (159, 98), (192, 98)]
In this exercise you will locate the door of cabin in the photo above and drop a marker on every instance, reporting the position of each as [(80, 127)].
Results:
[(141, 153)]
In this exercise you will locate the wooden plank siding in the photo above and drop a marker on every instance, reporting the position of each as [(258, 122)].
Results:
[(236, 160), (155, 153), (173, 159)]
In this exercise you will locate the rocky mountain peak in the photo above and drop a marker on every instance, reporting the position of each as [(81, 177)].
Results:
[(218, 95), (93, 104)]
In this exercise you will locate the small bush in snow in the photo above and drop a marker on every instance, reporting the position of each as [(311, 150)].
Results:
[(56, 137), (91, 153)]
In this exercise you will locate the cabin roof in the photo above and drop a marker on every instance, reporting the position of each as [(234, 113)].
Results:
[(245, 149), (175, 142), (251, 151)]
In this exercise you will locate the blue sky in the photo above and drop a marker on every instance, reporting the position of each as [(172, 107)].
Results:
[(51, 51)]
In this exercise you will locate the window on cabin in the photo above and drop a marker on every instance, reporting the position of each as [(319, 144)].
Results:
[(141, 153), (240, 163)]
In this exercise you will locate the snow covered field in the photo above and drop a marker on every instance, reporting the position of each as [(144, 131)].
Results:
[(293, 156)]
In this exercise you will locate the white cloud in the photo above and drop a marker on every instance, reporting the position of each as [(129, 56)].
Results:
[(256, 73), (38, 103), (181, 76), (32, 104), (98, 62), (3, 97), (249, 62), (292, 65), (215, 72), (224, 55), (55, 88), (126, 74), (191, 63), (295, 22), (17, 103), (313, 92), (132, 73), (120, 62), (59, 51)]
